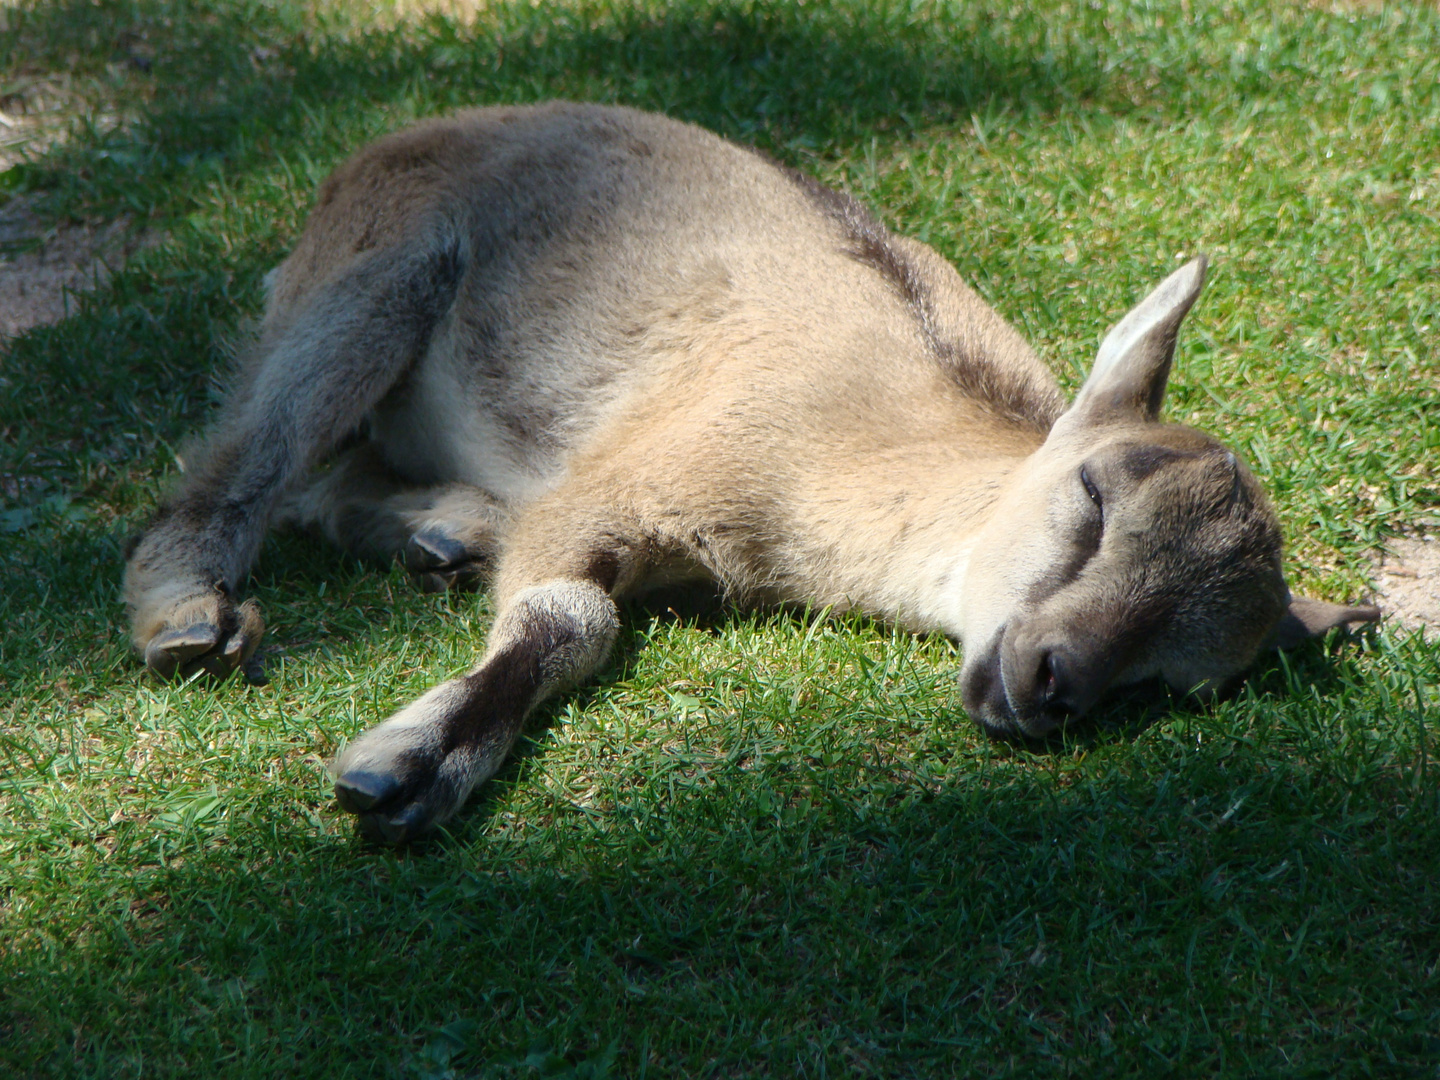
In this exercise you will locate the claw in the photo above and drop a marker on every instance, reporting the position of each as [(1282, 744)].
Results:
[(439, 562), (205, 646), (431, 549), (174, 650), (246, 639), (358, 791)]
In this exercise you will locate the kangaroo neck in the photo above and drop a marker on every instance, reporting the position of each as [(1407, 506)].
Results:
[(892, 536)]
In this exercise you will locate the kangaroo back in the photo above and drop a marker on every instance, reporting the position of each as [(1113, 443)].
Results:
[(605, 247)]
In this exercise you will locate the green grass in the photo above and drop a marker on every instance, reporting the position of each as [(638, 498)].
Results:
[(760, 845)]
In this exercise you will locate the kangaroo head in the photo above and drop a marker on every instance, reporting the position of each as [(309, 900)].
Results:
[(1125, 548)]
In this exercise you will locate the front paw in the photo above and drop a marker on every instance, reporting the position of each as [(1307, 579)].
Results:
[(203, 633), (393, 808), (401, 780)]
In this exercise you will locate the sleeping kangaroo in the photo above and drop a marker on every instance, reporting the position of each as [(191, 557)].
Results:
[(588, 350)]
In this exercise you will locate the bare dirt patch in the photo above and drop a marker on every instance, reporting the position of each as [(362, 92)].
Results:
[(37, 112), (41, 267), (1408, 579), (389, 14)]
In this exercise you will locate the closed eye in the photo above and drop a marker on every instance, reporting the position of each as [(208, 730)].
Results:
[(1090, 529)]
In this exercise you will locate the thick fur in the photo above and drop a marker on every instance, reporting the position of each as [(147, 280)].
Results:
[(597, 349)]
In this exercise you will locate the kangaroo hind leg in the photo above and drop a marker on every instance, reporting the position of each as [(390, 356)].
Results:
[(449, 535), (324, 363)]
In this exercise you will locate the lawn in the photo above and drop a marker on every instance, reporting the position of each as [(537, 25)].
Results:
[(762, 844)]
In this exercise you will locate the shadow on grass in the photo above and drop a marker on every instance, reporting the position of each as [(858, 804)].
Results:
[(1006, 914)]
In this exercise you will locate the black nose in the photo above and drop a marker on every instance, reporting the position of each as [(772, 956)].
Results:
[(1054, 683)]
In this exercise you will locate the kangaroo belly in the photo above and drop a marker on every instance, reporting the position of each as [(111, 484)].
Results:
[(505, 421), (584, 282), (432, 432)]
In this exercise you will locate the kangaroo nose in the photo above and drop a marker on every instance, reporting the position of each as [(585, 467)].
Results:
[(1054, 683), (1050, 678)]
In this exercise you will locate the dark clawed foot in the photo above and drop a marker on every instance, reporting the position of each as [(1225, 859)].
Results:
[(385, 805), (439, 562), (399, 783), (172, 651), (216, 647)]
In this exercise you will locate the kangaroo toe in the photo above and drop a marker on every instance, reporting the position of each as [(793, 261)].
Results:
[(217, 646), (440, 561), (359, 790), (412, 823), (175, 651), (394, 808), (434, 549)]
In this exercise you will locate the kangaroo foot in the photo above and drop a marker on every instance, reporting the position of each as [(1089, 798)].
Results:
[(404, 777), (208, 633), (439, 561), (398, 806)]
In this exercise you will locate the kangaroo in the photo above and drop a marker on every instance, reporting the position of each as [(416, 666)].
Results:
[(583, 351)]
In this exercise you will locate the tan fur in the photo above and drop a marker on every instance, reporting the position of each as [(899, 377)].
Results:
[(601, 349)]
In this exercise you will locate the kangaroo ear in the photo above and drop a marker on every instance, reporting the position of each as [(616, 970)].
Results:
[(1134, 360), (1306, 619)]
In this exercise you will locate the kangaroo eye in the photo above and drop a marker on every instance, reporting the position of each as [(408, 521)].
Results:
[(1090, 488)]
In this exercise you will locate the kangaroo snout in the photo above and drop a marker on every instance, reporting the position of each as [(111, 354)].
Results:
[(1050, 677), (1034, 679)]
